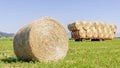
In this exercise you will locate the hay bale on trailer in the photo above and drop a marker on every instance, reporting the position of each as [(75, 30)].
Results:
[(94, 32), (77, 25), (43, 40), (78, 34), (96, 24), (86, 25), (113, 28), (89, 33)]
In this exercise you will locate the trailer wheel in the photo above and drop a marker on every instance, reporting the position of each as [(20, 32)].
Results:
[(77, 40), (95, 39), (103, 39), (82, 40), (92, 39)]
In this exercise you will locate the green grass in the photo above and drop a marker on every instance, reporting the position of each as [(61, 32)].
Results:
[(80, 55)]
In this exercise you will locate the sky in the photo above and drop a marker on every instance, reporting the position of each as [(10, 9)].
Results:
[(16, 13)]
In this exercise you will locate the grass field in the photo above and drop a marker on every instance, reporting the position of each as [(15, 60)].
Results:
[(80, 55)]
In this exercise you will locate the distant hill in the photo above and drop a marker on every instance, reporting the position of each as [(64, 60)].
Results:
[(4, 34)]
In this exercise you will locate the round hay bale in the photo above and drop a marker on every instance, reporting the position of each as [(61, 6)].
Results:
[(96, 24), (43, 40), (78, 25), (94, 32), (70, 27), (89, 33), (85, 25), (82, 33), (113, 28), (75, 26)]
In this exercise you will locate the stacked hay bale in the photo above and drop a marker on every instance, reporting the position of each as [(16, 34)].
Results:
[(77, 25), (112, 30), (92, 30), (88, 29), (77, 30), (43, 40), (99, 29)]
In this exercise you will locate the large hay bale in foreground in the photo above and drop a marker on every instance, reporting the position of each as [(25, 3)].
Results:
[(43, 40)]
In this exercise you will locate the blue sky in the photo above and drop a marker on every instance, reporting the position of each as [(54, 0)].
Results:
[(16, 13)]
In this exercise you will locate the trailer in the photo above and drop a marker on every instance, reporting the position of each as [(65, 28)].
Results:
[(94, 31)]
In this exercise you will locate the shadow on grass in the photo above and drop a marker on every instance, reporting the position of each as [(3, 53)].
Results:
[(14, 60), (9, 60)]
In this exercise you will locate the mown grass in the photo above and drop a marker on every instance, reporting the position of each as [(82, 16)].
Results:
[(80, 55)]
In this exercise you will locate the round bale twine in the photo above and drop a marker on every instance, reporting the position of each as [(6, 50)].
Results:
[(43, 40)]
